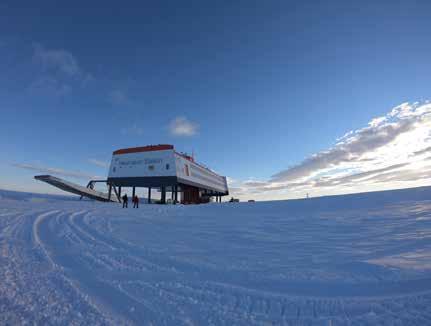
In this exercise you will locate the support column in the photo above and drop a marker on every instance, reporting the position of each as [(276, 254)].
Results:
[(109, 192), (149, 195), (119, 191), (176, 195), (133, 192), (172, 193), (163, 199)]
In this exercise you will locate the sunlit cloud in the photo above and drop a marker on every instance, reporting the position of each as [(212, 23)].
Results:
[(392, 151), (181, 126)]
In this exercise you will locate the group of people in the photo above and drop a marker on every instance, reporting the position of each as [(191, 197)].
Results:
[(135, 201)]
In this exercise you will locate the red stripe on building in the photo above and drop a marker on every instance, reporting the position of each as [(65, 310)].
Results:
[(150, 148)]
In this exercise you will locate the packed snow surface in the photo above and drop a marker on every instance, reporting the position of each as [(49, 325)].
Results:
[(348, 260)]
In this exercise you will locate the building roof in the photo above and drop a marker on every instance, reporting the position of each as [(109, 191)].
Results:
[(150, 148)]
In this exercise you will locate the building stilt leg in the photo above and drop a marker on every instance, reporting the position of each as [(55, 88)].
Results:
[(163, 199), (176, 195), (109, 192), (119, 191), (149, 195), (116, 194), (133, 192)]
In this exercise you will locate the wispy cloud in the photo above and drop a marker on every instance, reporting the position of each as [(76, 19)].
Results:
[(118, 97), (57, 60), (54, 171), (98, 163), (133, 130), (59, 71), (50, 86), (389, 152), (181, 126)]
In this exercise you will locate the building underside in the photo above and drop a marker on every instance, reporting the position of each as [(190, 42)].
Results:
[(180, 190)]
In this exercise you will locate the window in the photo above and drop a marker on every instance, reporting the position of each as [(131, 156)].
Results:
[(167, 166), (151, 167)]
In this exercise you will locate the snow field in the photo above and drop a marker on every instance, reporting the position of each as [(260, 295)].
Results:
[(329, 261)]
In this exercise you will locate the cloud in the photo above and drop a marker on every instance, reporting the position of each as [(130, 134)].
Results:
[(54, 171), (350, 149), (118, 97), (59, 71), (387, 153), (87, 79), (133, 130), (56, 60), (368, 175), (98, 163), (256, 183), (422, 151), (359, 143), (407, 175), (49, 86), (181, 126)]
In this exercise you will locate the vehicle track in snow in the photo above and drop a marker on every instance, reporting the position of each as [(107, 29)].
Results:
[(216, 264), (33, 288)]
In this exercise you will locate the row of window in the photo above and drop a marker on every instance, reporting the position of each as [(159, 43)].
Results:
[(151, 167)]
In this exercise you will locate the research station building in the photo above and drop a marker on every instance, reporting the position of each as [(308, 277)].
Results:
[(161, 168)]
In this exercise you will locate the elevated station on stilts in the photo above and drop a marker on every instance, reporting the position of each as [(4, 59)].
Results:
[(156, 167), (161, 168)]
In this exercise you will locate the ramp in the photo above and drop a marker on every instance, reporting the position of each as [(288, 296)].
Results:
[(76, 189)]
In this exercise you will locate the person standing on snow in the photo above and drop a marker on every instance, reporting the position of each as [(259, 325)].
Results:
[(136, 202), (125, 201)]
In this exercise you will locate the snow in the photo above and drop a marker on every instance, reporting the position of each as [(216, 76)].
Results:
[(345, 260)]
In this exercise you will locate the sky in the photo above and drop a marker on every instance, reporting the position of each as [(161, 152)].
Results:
[(285, 98)]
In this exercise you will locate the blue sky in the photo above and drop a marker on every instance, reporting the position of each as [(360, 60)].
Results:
[(254, 88)]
